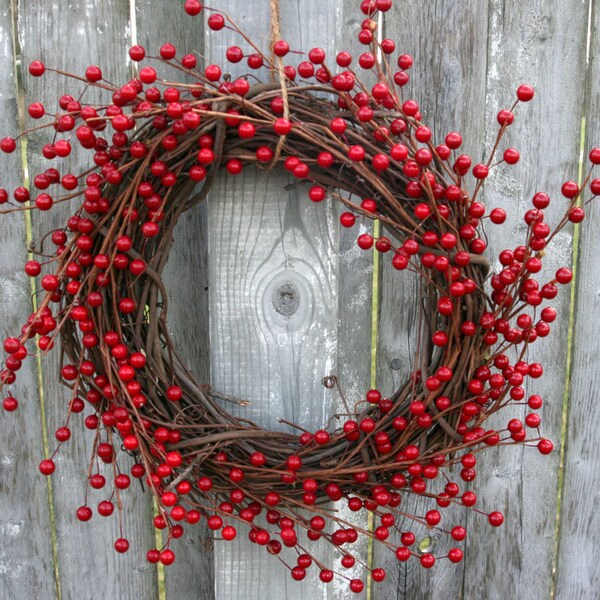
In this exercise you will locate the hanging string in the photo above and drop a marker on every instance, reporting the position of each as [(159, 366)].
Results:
[(278, 61)]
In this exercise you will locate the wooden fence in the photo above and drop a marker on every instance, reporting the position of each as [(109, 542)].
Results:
[(238, 260)]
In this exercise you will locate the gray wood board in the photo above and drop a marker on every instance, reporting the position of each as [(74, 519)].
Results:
[(578, 568), (448, 42), (355, 314), (26, 561), (192, 573), (264, 240), (524, 39), (73, 36)]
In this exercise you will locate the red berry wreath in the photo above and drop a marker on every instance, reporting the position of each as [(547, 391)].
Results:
[(156, 149)]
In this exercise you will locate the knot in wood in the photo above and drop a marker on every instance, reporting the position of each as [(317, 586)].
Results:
[(286, 298)]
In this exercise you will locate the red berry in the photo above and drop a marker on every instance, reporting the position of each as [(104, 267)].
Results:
[(405, 61), (564, 275), (511, 156), (294, 462), (380, 162), (316, 56), (347, 219), (62, 434), (383, 245), (137, 53), (496, 518), (317, 193), (373, 396), (264, 154), (453, 140), (167, 51), (338, 125), (192, 7), (505, 117), (480, 171), (11, 345), (427, 561), (410, 108), (322, 437), (174, 393), (105, 508), (326, 575), (469, 499), (388, 46), (147, 74), (10, 404), (121, 545), (93, 73), (498, 216), (356, 153), (36, 68), (403, 553), (84, 513), (525, 92), (365, 241), (570, 189), (576, 214), (216, 22), (8, 145), (153, 556), (455, 555), (167, 557), (545, 446), (257, 459), (47, 467), (282, 126), (213, 72), (281, 48)]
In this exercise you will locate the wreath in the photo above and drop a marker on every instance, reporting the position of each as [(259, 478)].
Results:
[(156, 149)]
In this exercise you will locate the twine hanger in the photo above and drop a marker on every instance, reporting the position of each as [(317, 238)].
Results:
[(278, 61)]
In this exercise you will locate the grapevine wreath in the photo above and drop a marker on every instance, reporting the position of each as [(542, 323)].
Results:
[(156, 148)]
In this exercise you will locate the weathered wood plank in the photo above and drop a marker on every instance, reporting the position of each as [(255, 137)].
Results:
[(26, 561), (578, 567), (306, 26), (268, 249), (516, 560), (192, 574), (448, 41), (73, 36), (355, 308), (271, 253), (271, 261)]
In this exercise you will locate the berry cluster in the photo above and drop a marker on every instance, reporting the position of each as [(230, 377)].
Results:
[(155, 149)]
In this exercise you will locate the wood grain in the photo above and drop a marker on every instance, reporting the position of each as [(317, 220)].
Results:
[(516, 560), (578, 567), (26, 565), (186, 278), (74, 36), (448, 41)]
